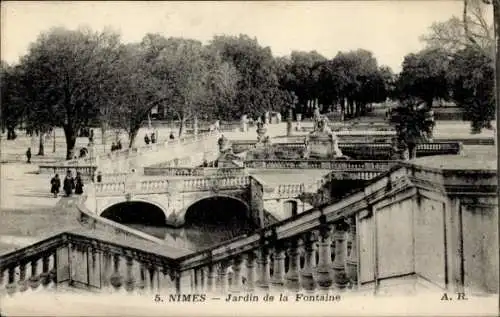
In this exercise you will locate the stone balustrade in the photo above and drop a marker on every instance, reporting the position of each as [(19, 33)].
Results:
[(344, 165), (85, 262), (174, 171), (194, 171), (84, 170), (408, 229), (110, 188), (215, 183), (132, 152)]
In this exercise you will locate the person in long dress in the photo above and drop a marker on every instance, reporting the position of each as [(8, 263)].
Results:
[(79, 184), (69, 184), (55, 185)]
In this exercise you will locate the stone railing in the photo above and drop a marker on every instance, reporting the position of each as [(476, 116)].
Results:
[(438, 148), (376, 238), (163, 185), (174, 171), (85, 170), (110, 188), (194, 171), (215, 183), (86, 261), (127, 153), (343, 165)]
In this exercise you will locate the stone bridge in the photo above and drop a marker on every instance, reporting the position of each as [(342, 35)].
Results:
[(169, 200)]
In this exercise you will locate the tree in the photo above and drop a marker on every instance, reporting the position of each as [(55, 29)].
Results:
[(258, 81), (301, 74), (185, 65), (424, 76), (66, 69), (12, 107), (134, 91), (472, 78), (471, 29), (413, 124)]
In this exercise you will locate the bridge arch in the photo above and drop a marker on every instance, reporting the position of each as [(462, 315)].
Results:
[(137, 211), (217, 209)]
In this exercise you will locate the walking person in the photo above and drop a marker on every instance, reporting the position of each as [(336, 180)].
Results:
[(28, 155), (146, 139), (55, 183), (69, 184), (79, 184)]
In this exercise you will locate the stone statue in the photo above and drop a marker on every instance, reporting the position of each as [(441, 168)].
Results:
[(244, 123)]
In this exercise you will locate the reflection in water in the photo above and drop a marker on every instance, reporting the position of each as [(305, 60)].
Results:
[(207, 223)]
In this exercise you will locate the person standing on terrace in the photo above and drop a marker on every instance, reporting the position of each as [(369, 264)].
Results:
[(55, 183)]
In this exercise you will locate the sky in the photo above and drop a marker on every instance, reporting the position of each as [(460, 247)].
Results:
[(390, 29)]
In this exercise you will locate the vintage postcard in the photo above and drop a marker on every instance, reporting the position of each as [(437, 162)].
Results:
[(250, 158)]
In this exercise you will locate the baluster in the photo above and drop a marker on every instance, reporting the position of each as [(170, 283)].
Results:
[(211, 278), (278, 279), (251, 266), (308, 282), (293, 274), (264, 269), (34, 279), (324, 268), (130, 281), (352, 260), (222, 281), (141, 284), (116, 279), (11, 286), (236, 283), (23, 284), (339, 265), (153, 278), (44, 276), (105, 275)]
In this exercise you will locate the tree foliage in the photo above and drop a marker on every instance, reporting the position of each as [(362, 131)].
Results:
[(472, 84)]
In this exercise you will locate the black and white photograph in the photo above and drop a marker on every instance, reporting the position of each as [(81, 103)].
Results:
[(249, 158)]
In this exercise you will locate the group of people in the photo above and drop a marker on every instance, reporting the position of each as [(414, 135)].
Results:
[(70, 184), (148, 139), (116, 146)]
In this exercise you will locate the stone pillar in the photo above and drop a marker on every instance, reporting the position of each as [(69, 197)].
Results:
[(236, 283), (278, 279), (251, 266), (339, 264), (308, 282), (129, 281), (211, 278), (44, 276), (324, 268), (264, 269), (23, 284), (289, 122), (293, 275), (11, 281), (116, 279), (105, 275), (195, 125), (34, 279), (352, 260), (222, 282), (153, 278)]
